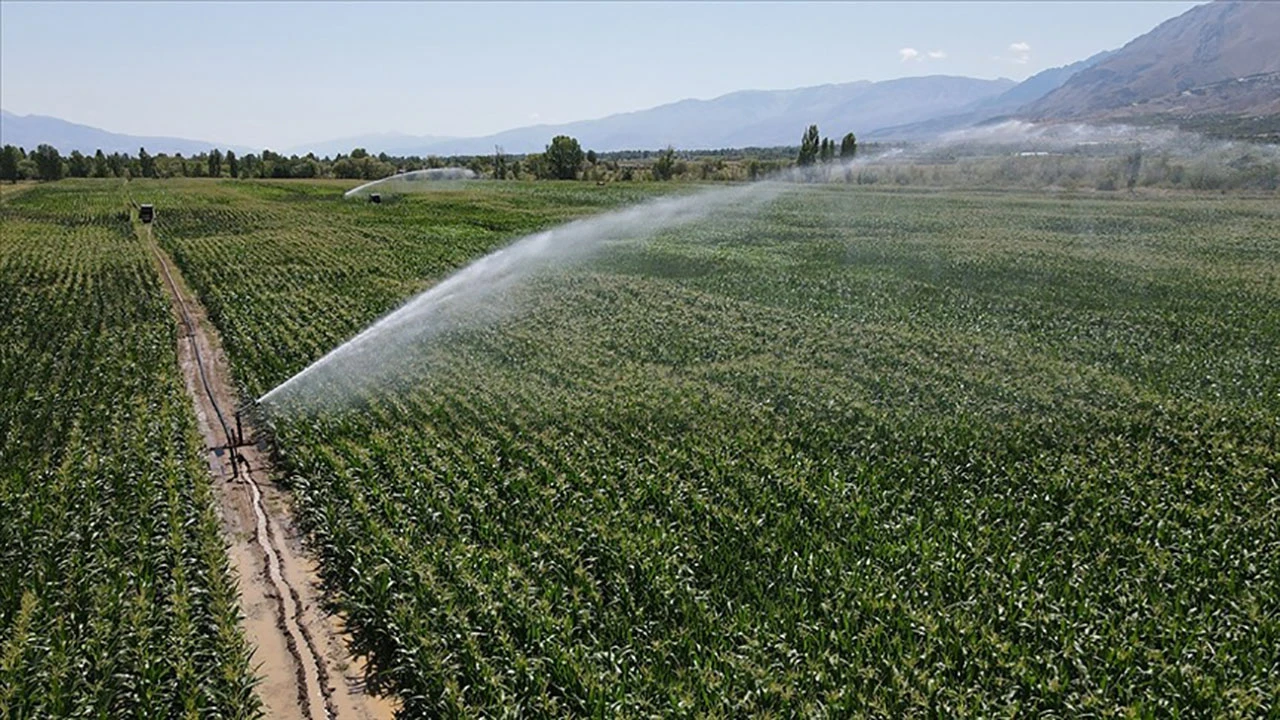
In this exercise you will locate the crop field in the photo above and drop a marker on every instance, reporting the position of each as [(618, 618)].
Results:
[(861, 452), (115, 597)]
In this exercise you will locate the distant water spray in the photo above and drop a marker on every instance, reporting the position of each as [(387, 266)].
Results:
[(407, 181), (1062, 137), (478, 293)]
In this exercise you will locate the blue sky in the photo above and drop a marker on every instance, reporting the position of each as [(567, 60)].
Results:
[(277, 75)]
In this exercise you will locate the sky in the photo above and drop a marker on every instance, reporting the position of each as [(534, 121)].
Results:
[(278, 75)]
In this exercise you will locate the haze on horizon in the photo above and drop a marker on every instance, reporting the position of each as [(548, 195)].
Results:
[(279, 75)]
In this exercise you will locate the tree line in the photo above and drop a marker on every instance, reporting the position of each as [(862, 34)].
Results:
[(562, 159), (47, 163)]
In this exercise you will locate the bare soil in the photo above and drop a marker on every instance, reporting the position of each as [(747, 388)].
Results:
[(301, 653)]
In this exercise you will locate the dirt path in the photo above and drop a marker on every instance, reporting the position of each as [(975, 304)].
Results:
[(301, 652)]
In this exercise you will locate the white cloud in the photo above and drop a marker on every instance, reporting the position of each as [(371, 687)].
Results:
[(1021, 52), (913, 55)]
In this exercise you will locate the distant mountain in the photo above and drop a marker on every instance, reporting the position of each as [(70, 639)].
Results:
[(375, 143), (28, 131), (1007, 102), (1043, 83), (747, 118), (1184, 67)]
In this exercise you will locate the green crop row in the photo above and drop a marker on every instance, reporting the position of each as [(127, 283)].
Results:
[(115, 595), (857, 454)]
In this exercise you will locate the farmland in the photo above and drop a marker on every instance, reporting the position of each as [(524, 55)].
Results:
[(863, 452), (115, 596), (860, 452)]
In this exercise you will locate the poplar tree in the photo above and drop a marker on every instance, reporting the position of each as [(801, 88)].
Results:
[(848, 147), (828, 152), (809, 147)]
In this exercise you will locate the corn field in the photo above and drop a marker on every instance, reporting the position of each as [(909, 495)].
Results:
[(864, 454), (115, 594)]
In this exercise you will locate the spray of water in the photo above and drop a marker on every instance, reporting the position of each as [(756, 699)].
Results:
[(1063, 137), (408, 181), (479, 293)]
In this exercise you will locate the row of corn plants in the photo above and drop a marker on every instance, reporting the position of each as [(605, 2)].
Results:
[(116, 599)]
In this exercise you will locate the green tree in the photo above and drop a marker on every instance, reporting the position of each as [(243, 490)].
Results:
[(146, 163), (827, 153), (233, 165), (664, 167), (215, 163), (307, 167), (48, 162), (809, 147), (563, 157), (591, 157), (848, 147), (27, 167), (119, 164), (78, 165), (101, 168), (534, 163), (347, 169), (9, 163)]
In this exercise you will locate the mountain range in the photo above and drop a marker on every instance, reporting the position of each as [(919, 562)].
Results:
[(1217, 61), (1006, 103), (1174, 68), (28, 131), (760, 118)]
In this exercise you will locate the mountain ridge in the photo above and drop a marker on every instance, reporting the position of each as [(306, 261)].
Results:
[(745, 118), (1204, 47), (1004, 104), (30, 131)]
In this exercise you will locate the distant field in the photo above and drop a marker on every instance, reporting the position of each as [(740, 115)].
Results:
[(866, 452), (115, 597)]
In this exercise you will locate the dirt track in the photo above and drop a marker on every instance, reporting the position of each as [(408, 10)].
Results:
[(301, 654)]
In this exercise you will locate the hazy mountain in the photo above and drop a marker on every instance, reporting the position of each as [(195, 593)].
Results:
[(1042, 83), (28, 131), (1005, 103), (747, 118), (1184, 66), (375, 143)]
